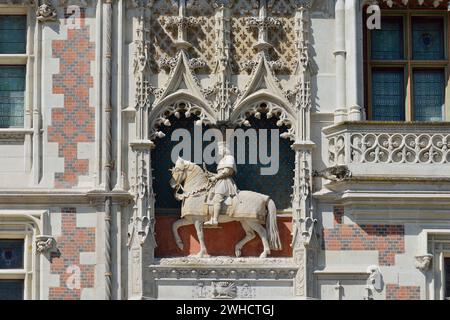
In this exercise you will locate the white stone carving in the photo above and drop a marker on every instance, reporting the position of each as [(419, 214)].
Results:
[(187, 108), (389, 144), (375, 280), (46, 12), (223, 290), (179, 93), (423, 262), (45, 243), (251, 209), (225, 261), (336, 173), (400, 148)]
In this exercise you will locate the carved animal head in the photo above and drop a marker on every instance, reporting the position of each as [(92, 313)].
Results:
[(179, 172)]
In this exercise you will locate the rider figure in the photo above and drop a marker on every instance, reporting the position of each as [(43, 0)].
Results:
[(224, 185)]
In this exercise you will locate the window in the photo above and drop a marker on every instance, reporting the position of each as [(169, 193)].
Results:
[(12, 269), (406, 66), (12, 70)]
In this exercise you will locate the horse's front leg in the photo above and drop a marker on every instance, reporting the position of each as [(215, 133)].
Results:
[(198, 223), (175, 226)]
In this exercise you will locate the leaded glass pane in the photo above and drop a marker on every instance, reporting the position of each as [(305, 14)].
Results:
[(387, 42), (11, 254), (13, 34), (428, 94), (427, 38), (388, 98), (11, 289), (277, 186), (12, 95)]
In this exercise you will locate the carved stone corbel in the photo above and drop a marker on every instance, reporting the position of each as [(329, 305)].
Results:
[(336, 173), (424, 262), (46, 245), (46, 12)]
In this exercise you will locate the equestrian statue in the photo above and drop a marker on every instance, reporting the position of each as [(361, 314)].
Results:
[(209, 199)]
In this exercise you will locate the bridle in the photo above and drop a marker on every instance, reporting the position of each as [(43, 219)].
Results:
[(179, 186)]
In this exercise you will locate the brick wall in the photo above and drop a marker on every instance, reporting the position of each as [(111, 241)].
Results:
[(73, 276), (74, 122), (395, 292), (387, 239)]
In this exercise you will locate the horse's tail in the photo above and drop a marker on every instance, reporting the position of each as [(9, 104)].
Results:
[(272, 226)]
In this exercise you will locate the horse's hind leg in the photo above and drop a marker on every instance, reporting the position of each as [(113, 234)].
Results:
[(175, 226), (249, 235), (199, 227), (263, 235)]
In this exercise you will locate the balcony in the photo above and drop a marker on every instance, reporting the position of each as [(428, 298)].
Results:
[(390, 149)]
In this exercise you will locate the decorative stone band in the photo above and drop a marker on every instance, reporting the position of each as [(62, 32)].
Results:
[(408, 143), (224, 268)]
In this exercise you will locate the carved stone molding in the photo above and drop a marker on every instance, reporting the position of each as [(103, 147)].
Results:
[(223, 273), (226, 261), (424, 262)]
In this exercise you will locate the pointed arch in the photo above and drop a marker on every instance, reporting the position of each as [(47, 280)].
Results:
[(177, 104), (181, 94), (264, 102)]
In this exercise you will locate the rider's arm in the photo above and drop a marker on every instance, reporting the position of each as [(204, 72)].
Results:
[(224, 173)]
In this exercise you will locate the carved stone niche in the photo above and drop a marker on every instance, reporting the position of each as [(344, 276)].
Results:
[(423, 262)]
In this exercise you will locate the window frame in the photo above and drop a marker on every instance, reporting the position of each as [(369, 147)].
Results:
[(407, 63), (20, 231), (21, 59)]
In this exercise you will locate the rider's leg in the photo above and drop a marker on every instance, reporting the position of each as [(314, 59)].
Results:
[(217, 204)]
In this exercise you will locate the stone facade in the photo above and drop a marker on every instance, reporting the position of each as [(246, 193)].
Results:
[(369, 214)]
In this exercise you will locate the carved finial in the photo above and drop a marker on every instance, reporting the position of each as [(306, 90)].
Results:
[(263, 23), (182, 23)]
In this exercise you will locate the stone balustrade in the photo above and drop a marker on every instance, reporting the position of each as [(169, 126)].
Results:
[(392, 148)]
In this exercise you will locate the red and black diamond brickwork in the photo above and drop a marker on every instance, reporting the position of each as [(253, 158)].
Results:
[(74, 122), (73, 276), (387, 239)]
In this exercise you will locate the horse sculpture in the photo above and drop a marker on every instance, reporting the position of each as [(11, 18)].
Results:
[(251, 209)]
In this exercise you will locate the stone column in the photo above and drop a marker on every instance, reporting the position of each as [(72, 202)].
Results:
[(354, 67), (302, 206), (141, 240), (340, 113)]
